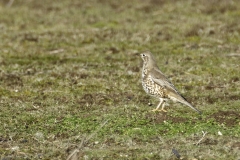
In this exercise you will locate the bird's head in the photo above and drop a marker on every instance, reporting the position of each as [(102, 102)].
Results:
[(148, 59), (144, 56)]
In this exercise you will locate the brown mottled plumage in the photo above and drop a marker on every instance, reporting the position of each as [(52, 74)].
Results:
[(156, 84)]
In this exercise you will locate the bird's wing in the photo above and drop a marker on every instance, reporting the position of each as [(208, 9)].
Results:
[(159, 78)]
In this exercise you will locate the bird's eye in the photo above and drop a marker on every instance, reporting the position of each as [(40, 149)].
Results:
[(143, 55)]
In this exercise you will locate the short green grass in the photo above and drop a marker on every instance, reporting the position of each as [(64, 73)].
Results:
[(70, 79)]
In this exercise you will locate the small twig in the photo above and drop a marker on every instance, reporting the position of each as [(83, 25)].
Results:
[(93, 134), (233, 55), (56, 51), (204, 134), (73, 154), (84, 140)]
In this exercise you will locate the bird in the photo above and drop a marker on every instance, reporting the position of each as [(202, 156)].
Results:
[(156, 84)]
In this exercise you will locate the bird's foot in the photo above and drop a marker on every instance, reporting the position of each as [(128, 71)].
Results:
[(158, 110)]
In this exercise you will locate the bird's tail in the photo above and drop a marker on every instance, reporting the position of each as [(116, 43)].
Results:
[(189, 105), (182, 100)]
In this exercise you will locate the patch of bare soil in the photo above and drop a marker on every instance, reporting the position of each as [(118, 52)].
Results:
[(157, 118), (90, 99), (209, 141), (229, 118), (236, 145), (212, 100), (11, 79)]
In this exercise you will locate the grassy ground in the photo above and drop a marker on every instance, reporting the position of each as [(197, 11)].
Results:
[(70, 79)]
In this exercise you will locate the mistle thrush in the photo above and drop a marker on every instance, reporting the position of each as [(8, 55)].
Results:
[(156, 84)]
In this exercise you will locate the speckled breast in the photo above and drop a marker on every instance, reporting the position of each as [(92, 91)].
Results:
[(151, 87)]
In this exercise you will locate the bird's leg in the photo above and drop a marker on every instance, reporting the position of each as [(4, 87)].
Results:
[(161, 103)]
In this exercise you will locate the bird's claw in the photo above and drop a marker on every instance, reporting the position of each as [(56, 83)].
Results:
[(158, 110)]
